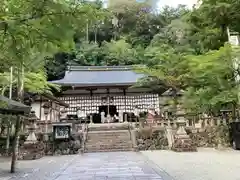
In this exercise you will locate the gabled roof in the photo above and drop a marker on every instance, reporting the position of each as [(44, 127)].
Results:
[(8, 106), (86, 76)]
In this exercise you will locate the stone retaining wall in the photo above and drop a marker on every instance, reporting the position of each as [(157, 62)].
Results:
[(155, 138), (211, 136), (151, 139), (64, 147)]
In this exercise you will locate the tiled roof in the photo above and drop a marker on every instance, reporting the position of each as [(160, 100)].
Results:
[(99, 76), (9, 106)]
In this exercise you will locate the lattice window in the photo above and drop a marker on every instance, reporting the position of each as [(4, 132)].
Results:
[(90, 104)]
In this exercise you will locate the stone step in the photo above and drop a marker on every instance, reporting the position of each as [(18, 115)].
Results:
[(107, 136), (108, 127), (108, 141), (124, 138), (109, 132), (108, 145), (107, 150)]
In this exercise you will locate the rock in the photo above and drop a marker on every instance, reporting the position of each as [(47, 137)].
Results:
[(140, 141), (64, 152), (57, 152), (67, 151), (152, 147), (148, 142), (77, 144), (49, 153), (80, 151), (141, 147)]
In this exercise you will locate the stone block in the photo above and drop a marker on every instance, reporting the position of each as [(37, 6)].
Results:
[(183, 145)]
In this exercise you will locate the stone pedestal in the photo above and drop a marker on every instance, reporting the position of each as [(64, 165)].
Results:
[(170, 138), (182, 141), (108, 118), (32, 149), (91, 119)]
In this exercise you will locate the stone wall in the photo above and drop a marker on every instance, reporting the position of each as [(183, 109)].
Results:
[(64, 147), (3, 141), (31, 151), (212, 136), (151, 139)]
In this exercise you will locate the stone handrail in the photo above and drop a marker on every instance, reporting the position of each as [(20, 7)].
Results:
[(84, 136), (132, 132), (160, 122), (190, 123)]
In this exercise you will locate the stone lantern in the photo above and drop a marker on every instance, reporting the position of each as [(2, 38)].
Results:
[(182, 141), (225, 113), (63, 115), (46, 110), (32, 148), (150, 115), (31, 129), (181, 122)]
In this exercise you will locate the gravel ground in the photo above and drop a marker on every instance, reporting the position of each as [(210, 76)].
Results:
[(206, 164)]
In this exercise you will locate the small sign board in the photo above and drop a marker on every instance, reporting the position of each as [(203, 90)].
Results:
[(62, 131)]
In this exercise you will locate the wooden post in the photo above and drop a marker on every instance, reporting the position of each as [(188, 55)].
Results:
[(18, 122), (125, 101)]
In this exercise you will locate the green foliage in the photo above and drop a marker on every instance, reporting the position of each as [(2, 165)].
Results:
[(119, 53), (31, 31), (89, 54), (178, 48), (211, 81)]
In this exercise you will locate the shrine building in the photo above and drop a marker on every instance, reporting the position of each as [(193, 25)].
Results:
[(108, 89)]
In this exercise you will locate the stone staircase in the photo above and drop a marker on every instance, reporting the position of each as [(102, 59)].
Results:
[(108, 139)]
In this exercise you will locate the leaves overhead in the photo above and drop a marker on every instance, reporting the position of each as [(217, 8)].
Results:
[(178, 48)]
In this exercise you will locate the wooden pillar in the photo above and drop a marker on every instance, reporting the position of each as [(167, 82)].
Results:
[(125, 100), (108, 101), (91, 98), (91, 90)]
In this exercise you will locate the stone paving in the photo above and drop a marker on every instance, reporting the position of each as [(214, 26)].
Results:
[(91, 166), (206, 164)]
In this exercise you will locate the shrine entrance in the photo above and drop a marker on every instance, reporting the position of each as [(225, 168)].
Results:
[(111, 109)]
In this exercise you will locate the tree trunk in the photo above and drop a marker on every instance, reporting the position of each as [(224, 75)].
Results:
[(15, 145), (18, 121), (9, 128)]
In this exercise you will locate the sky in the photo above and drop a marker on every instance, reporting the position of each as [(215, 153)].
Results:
[(175, 3)]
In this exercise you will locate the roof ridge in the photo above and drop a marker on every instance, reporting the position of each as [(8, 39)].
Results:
[(98, 68)]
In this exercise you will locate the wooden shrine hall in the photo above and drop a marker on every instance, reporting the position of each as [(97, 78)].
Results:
[(104, 92)]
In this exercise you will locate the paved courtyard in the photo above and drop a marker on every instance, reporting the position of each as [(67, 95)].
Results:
[(92, 166), (206, 164)]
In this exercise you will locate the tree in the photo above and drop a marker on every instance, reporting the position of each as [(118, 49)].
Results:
[(212, 81), (89, 54), (120, 53), (44, 27)]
